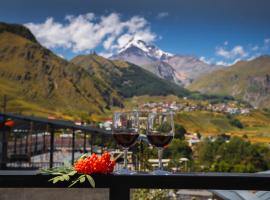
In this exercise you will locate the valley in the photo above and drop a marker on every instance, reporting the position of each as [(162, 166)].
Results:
[(90, 87)]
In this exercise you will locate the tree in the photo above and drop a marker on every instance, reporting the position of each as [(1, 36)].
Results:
[(236, 122), (237, 155), (180, 131), (177, 149)]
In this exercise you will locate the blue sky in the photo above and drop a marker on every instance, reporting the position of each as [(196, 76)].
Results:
[(217, 31)]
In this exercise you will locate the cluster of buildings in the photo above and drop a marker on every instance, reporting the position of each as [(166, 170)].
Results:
[(231, 108)]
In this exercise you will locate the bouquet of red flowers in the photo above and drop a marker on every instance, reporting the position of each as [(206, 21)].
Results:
[(84, 166)]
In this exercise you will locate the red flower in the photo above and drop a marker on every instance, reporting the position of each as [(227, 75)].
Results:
[(94, 164)]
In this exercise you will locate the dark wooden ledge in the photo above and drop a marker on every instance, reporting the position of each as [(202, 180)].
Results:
[(121, 184)]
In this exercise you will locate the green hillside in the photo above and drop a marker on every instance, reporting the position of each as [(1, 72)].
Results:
[(248, 80), (39, 82), (128, 79)]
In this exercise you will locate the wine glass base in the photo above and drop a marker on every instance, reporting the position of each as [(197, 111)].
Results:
[(125, 171), (160, 172)]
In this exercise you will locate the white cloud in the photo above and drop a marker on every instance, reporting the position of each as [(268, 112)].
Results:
[(60, 55), (228, 55), (162, 15), (255, 48), (222, 63), (105, 55), (208, 61), (237, 51), (267, 41), (228, 63), (85, 32), (266, 44)]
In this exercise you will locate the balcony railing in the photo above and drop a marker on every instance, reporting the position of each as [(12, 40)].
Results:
[(120, 185)]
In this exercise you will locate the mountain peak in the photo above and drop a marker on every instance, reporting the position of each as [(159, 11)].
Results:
[(149, 49), (17, 29), (179, 69)]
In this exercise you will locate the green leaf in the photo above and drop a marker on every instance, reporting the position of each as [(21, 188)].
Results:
[(60, 178), (73, 183), (55, 180), (82, 179), (91, 180), (72, 173), (56, 173), (66, 177)]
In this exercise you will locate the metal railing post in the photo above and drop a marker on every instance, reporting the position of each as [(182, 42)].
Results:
[(4, 145), (51, 146), (84, 142), (73, 146)]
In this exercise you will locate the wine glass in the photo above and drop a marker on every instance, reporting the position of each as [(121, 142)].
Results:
[(125, 131), (160, 132)]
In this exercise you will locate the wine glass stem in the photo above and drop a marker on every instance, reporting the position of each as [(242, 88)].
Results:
[(160, 153), (125, 158)]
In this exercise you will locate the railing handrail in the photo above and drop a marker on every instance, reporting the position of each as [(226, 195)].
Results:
[(121, 184)]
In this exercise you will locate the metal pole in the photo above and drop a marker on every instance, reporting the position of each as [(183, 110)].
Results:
[(141, 156), (44, 138), (27, 137), (51, 146), (36, 142), (91, 143), (73, 146), (15, 143), (84, 142), (4, 146), (21, 143)]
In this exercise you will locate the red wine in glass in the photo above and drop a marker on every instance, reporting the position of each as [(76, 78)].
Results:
[(160, 132), (124, 139), (125, 131), (159, 140)]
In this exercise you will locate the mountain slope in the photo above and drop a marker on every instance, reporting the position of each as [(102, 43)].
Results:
[(34, 75), (128, 79), (189, 68), (249, 80), (178, 69)]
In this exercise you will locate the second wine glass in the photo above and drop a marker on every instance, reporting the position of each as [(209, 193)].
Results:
[(125, 132), (160, 132)]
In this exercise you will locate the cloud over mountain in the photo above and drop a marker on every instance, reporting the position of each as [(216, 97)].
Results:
[(82, 33), (162, 15), (232, 53)]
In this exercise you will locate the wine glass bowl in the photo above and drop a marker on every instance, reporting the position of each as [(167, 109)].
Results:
[(160, 132), (125, 131)]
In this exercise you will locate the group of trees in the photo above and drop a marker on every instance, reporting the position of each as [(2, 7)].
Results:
[(234, 121), (234, 155), (224, 154), (212, 98)]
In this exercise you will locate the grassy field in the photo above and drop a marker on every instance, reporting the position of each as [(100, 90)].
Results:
[(256, 124)]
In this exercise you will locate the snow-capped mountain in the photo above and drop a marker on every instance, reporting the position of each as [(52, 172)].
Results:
[(179, 69), (150, 50)]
